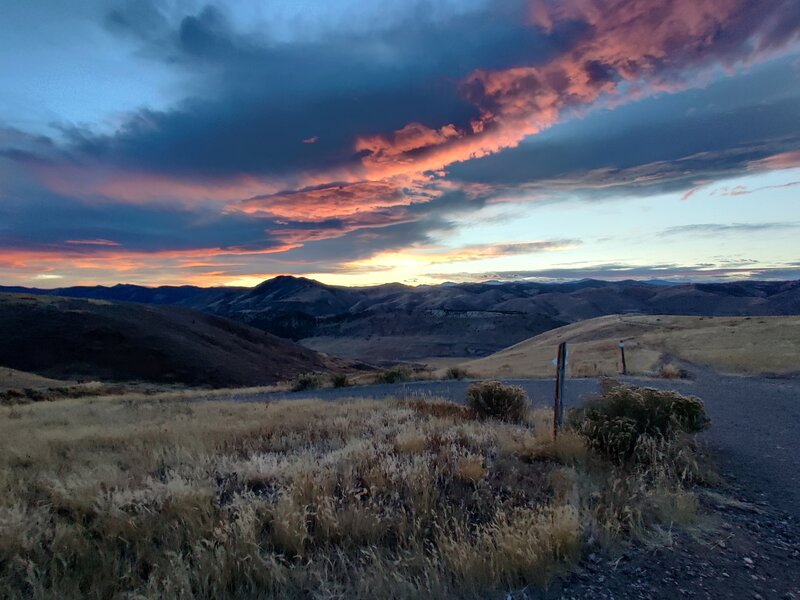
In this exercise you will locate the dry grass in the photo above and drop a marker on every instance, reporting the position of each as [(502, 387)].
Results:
[(12, 379), (157, 497), (748, 345)]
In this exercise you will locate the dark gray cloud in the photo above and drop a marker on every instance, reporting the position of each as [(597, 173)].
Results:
[(621, 272), (257, 100)]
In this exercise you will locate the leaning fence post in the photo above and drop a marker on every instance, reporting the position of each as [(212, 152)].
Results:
[(558, 402), (622, 353)]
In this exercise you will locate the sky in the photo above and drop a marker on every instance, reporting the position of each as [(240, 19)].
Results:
[(423, 141)]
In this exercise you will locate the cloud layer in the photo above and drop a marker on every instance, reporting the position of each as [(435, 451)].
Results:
[(322, 150)]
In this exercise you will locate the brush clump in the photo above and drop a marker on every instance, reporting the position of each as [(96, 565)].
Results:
[(625, 418), (492, 399)]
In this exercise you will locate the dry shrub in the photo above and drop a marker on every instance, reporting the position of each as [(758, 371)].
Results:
[(492, 399), (307, 381), (456, 373), (396, 374), (670, 371), (614, 423), (340, 380)]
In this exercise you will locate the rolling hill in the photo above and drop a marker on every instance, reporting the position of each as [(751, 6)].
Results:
[(398, 322), (746, 345), (68, 338)]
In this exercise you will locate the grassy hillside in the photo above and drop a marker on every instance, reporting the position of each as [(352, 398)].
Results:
[(748, 345), (93, 339), (163, 498), (11, 379)]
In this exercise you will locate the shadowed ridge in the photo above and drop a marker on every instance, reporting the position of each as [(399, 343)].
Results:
[(97, 339)]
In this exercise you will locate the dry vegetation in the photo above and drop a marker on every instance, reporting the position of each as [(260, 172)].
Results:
[(165, 498), (747, 345), (14, 379)]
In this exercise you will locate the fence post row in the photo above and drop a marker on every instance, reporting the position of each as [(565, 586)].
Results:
[(558, 403)]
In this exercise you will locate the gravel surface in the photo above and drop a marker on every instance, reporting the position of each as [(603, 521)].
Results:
[(755, 441)]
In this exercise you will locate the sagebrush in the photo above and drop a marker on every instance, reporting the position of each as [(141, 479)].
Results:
[(616, 423), (492, 399)]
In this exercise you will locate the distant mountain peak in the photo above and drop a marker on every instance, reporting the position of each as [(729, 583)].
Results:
[(285, 284)]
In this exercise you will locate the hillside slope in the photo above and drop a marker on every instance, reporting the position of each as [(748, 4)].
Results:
[(79, 339), (747, 345)]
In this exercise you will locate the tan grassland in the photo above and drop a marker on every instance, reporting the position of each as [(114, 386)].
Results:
[(746, 345)]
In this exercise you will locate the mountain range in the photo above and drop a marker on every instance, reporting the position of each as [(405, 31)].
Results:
[(398, 322)]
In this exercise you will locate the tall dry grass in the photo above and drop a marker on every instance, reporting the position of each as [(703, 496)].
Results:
[(164, 498)]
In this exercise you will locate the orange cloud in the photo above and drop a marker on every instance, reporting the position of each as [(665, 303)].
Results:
[(118, 259), (332, 201), (432, 255)]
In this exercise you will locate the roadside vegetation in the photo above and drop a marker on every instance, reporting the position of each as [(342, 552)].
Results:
[(161, 497)]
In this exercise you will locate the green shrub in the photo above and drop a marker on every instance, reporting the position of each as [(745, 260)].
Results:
[(395, 374), (340, 380), (615, 423), (498, 401), (307, 381), (456, 373)]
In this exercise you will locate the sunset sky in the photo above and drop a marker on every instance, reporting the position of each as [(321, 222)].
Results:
[(183, 142)]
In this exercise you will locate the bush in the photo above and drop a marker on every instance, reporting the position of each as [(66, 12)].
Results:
[(395, 374), (615, 423), (670, 371), (498, 401), (456, 373), (340, 380), (307, 381)]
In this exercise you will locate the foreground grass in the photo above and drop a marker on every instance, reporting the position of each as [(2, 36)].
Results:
[(162, 498)]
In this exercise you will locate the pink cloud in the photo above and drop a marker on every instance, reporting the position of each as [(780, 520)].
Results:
[(628, 49), (784, 160), (91, 243)]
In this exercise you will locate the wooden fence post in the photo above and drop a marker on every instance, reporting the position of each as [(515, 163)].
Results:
[(622, 353), (558, 402)]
